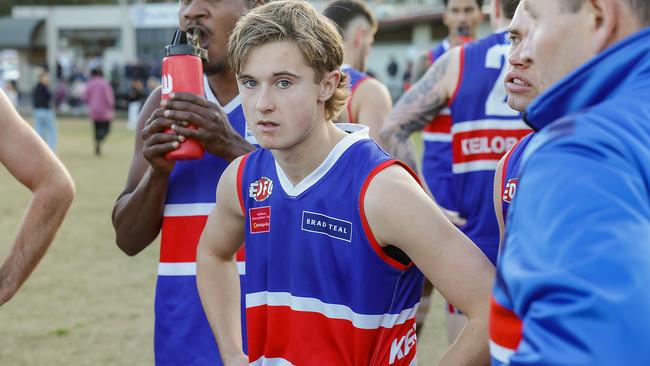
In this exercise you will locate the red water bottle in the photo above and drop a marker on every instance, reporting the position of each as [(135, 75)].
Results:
[(182, 71)]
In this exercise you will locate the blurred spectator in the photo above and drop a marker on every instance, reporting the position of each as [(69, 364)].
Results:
[(77, 93), (60, 93), (101, 102), (12, 92), (44, 119), (136, 96)]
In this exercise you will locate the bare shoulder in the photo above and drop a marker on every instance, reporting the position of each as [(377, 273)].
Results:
[(392, 195), (373, 91), (228, 194), (372, 86)]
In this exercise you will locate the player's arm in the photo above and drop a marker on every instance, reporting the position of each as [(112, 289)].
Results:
[(584, 270), (217, 276), (32, 163), (453, 264), (419, 105), (497, 197), (373, 102), (137, 214)]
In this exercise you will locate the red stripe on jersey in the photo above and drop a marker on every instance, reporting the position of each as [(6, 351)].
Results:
[(440, 124), (364, 221), (460, 76), (241, 254), (504, 167), (484, 144), (310, 338), (505, 326), (351, 118), (240, 172), (180, 237)]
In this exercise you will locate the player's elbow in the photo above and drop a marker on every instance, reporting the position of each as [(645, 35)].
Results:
[(126, 245), (59, 189)]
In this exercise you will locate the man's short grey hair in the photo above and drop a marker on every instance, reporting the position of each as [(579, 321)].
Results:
[(640, 7)]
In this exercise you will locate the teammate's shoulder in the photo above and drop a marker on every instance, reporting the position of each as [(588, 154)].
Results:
[(393, 175), (372, 87), (234, 168)]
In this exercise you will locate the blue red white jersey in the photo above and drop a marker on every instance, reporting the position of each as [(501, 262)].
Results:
[(182, 333), (319, 288), (483, 129), (356, 78), (505, 325), (436, 140), (510, 174)]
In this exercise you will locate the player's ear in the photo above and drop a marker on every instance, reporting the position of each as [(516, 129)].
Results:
[(603, 16), (328, 85)]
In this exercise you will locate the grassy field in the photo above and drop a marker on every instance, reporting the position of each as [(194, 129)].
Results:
[(87, 303)]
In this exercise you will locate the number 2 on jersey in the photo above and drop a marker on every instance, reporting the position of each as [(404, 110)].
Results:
[(496, 104)]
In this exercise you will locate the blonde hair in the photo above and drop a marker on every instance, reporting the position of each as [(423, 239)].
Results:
[(298, 22)]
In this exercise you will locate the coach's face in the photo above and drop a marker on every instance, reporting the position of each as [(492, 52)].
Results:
[(522, 83), (214, 19), (561, 38)]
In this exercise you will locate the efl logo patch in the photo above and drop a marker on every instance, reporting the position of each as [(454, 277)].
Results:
[(330, 226), (260, 219), (261, 189), (510, 190)]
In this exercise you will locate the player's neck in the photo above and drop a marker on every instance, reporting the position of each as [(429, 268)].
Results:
[(352, 61), (224, 86), (300, 160)]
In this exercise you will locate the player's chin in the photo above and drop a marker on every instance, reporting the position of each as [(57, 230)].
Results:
[(519, 102)]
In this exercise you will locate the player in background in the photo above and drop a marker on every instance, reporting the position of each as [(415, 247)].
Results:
[(462, 19), (28, 159), (330, 279), (522, 86), (173, 198), (370, 101), (574, 265), (469, 80)]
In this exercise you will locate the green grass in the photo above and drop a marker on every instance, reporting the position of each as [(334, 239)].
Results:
[(87, 303)]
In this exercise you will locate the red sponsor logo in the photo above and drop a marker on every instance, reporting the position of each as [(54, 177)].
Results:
[(484, 144), (510, 189), (261, 189), (260, 219)]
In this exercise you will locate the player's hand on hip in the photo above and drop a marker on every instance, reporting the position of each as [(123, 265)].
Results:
[(212, 128), (157, 142)]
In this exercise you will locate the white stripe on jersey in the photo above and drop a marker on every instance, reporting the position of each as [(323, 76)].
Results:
[(474, 166), (500, 353), (188, 209), (488, 124), (332, 311), (263, 361), (188, 268), (436, 137)]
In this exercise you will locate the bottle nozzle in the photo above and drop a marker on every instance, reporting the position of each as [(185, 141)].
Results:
[(187, 44)]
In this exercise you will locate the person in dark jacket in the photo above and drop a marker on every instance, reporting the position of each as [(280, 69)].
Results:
[(44, 118)]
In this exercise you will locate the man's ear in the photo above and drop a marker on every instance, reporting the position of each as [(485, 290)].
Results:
[(603, 15), (255, 3), (328, 85)]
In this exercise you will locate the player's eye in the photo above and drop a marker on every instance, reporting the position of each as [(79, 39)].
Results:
[(284, 84)]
